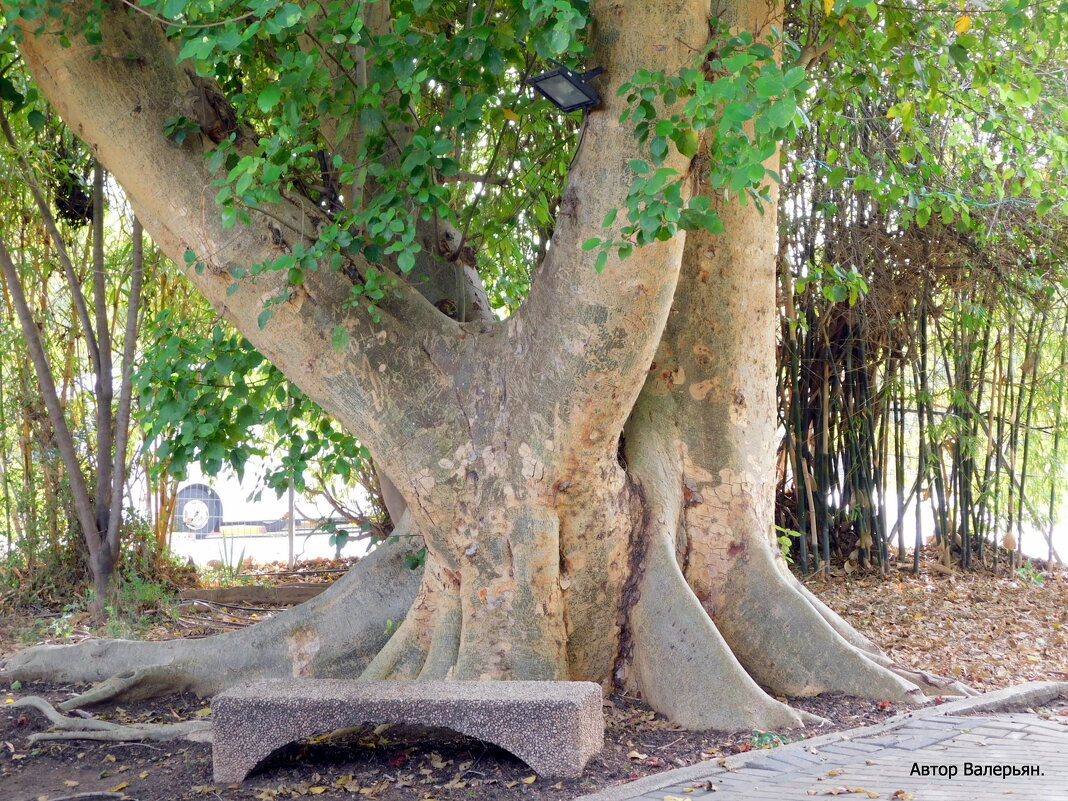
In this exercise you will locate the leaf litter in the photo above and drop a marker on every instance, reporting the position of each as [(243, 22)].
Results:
[(988, 631)]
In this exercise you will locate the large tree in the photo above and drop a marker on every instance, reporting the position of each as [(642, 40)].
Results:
[(591, 477)]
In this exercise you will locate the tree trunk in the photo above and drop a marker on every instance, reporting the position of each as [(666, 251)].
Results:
[(548, 557)]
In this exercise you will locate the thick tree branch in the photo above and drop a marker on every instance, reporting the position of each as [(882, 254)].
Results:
[(589, 337), (118, 96)]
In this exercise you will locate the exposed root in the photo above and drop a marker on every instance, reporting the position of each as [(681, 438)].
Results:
[(445, 639), (147, 682), (929, 683), (78, 728), (788, 646), (682, 664), (680, 661), (335, 635), (835, 621), (406, 652), (932, 684)]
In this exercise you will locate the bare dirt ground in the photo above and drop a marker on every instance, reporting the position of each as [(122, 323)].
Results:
[(988, 631)]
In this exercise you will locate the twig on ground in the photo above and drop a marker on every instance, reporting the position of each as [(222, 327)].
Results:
[(662, 747)]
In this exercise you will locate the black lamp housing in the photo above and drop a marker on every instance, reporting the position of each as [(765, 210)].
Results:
[(567, 90)]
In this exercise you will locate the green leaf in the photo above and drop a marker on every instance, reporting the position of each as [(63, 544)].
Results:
[(769, 86), (686, 140), (269, 97), (959, 54), (289, 15), (658, 149), (9, 92), (602, 260), (781, 113), (265, 315), (560, 39), (836, 177), (172, 8), (737, 111), (36, 120), (591, 243)]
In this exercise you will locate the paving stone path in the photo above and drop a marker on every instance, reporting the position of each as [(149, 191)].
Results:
[(922, 756)]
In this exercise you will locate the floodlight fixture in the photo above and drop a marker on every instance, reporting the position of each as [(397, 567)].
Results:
[(567, 90)]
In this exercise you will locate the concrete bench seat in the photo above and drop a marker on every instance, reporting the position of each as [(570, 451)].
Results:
[(553, 726)]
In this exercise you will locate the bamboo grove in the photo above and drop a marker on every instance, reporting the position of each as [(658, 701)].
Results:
[(923, 353)]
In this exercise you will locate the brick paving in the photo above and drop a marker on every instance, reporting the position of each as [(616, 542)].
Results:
[(877, 762)]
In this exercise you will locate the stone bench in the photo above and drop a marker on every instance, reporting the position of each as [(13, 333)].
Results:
[(553, 726)]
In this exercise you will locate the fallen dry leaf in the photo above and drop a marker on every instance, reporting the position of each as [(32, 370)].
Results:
[(986, 630), (436, 760), (901, 795)]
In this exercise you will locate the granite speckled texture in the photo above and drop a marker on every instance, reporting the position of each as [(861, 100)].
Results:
[(553, 726)]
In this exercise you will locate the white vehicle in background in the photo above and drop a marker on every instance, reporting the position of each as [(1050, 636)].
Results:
[(225, 504)]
